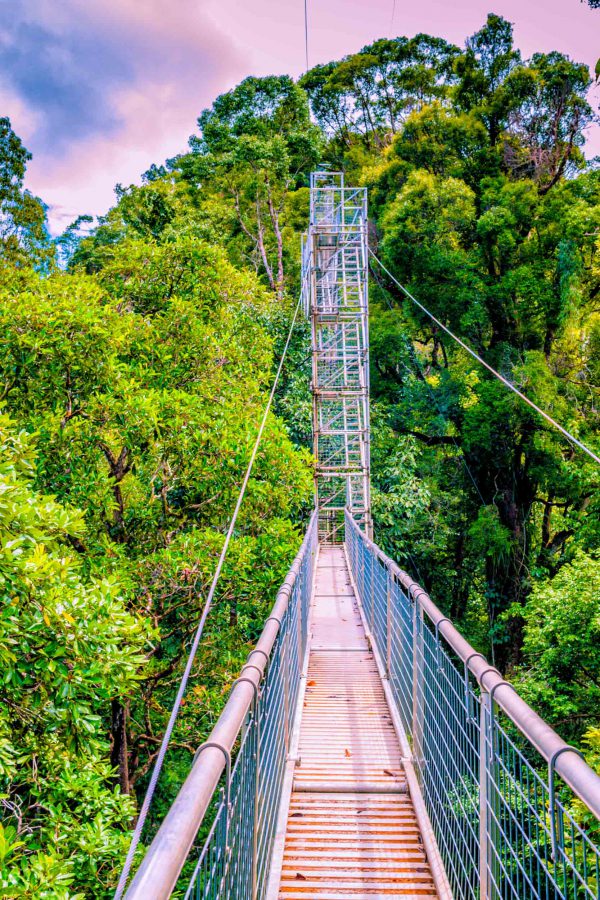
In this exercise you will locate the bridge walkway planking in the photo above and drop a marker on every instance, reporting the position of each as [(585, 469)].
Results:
[(351, 830)]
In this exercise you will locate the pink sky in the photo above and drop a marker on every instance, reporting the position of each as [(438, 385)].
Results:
[(120, 83)]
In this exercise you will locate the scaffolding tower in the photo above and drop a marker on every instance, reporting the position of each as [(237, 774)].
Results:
[(335, 294)]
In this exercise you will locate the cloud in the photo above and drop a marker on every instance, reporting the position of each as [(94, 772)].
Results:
[(65, 77), (155, 127), (99, 89)]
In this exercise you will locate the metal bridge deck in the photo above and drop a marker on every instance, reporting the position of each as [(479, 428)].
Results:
[(351, 830)]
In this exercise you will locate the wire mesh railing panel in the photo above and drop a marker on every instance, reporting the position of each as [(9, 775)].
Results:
[(272, 753), (507, 827), (401, 652), (382, 608), (238, 869), (446, 749), (539, 849), (233, 863)]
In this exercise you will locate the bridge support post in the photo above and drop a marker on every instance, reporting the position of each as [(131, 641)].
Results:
[(417, 685), (484, 832), (388, 623), (255, 822), (372, 592), (286, 688)]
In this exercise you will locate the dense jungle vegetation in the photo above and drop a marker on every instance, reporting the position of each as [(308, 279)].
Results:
[(137, 352)]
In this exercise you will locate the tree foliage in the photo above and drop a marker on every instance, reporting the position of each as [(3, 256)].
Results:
[(562, 641), (501, 253), (143, 381), (132, 383), (23, 234), (256, 144), (69, 647)]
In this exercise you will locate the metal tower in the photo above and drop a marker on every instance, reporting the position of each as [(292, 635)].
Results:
[(335, 289)]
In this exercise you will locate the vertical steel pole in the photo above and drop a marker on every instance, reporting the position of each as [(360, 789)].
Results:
[(255, 823), (372, 572), (366, 443), (388, 617), (484, 854), (312, 244), (417, 685), (286, 681)]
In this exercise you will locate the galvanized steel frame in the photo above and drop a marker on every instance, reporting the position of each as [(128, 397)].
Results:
[(503, 827), (335, 295), (242, 796)]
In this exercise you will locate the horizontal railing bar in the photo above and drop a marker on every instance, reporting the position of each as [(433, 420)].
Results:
[(166, 855), (580, 777)]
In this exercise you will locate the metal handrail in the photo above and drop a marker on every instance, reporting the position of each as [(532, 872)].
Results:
[(168, 852), (503, 828), (486, 763), (580, 777)]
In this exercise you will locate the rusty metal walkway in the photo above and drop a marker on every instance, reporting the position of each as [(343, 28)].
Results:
[(351, 830)]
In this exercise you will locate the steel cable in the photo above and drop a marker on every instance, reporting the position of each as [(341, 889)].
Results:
[(306, 32), (481, 361)]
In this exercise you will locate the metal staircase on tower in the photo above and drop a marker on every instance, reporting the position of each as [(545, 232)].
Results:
[(335, 282)]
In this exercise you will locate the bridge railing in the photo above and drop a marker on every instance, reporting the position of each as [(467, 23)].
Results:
[(236, 779), (499, 785)]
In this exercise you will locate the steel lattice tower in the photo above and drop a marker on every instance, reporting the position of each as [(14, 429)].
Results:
[(335, 286)]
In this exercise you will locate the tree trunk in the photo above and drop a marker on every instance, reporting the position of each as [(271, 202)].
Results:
[(262, 249), (119, 467), (509, 584), (118, 754), (274, 213)]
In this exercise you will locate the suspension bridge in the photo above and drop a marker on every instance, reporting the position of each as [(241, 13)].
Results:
[(366, 749)]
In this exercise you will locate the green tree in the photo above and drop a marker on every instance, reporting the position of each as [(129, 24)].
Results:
[(501, 254), (255, 144), (145, 384), (368, 96), (535, 113), (561, 675), (69, 647), (23, 235)]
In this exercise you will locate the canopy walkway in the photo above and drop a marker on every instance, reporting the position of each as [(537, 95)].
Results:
[(366, 750), (351, 823)]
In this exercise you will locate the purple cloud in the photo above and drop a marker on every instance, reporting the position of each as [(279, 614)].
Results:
[(100, 89), (68, 61)]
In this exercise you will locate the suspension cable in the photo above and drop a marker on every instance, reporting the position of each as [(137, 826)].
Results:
[(306, 32), (419, 369), (570, 437), (139, 827)]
